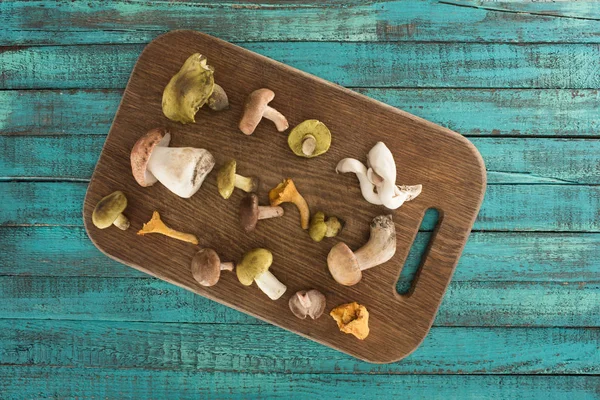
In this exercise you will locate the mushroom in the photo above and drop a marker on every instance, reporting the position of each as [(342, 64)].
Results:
[(188, 90), (286, 192), (218, 100), (155, 225), (367, 188), (352, 318), (254, 267), (251, 212), (181, 169), (109, 211), (227, 180), (346, 266), (207, 267), (321, 227), (257, 107), (307, 302), (309, 138)]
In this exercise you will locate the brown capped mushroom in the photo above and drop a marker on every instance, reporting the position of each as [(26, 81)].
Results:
[(286, 192), (307, 302), (218, 100), (227, 180), (257, 107), (207, 267), (109, 211), (346, 266), (251, 212)]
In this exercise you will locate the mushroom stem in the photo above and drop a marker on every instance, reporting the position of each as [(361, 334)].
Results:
[(381, 245), (280, 121), (304, 299), (266, 212), (366, 187), (303, 209), (309, 144), (246, 184), (155, 225), (270, 285), (121, 222), (227, 266)]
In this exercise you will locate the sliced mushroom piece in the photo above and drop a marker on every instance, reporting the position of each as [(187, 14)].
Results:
[(207, 266), (310, 138), (352, 318), (346, 266), (286, 192), (321, 227), (188, 90), (181, 169), (218, 100), (307, 303), (257, 107), (251, 212), (156, 225), (227, 180), (254, 267), (366, 187), (109, 211)]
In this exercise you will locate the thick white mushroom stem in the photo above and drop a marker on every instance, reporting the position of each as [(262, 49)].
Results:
[(270, 285), (281, 122), (381, 246), (266, 212), (246, 184), (227, 266), (309, 144), (121, 222), (366, 187)]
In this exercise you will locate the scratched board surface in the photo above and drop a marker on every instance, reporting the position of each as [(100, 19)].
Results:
[(521, 317)]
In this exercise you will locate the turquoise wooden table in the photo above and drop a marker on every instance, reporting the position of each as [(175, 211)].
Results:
[(521, 318)]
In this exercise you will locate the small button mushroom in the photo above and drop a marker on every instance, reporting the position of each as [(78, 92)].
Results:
[(155, 225), (352, 318), (227, 180), (218, 100), (309, 139), (188, 90), (307, 302), (109, 211), (321, 228), (286, 192), (254, 267), (251, 212), (207, 267), (346, 266), (257, 107), (181, 169)]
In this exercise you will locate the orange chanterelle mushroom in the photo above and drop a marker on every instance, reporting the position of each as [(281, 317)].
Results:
[(352, 318)]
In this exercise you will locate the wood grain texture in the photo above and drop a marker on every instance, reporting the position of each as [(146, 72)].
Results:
[(531, 304), (80, 22), (66, 382), (515, 208), (443, 65), (508, 160), (487, 257), (501, 112), (440, 159), (227, 348)]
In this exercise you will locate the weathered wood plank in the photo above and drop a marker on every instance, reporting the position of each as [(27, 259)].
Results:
[(551, 112), (36, 22), (448, 65), (64, 382), (507, 160), (556, 10), (225, 348), (560, 208), (149, 299), (488, 256)]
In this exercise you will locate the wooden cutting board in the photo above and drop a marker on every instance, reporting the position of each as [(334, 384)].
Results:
[(446, 164)]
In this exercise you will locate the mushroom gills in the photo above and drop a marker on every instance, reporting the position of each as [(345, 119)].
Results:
[(268, 283), (181, 169)]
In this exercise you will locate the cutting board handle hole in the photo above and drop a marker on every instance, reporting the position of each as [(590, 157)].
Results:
[(418, 251)]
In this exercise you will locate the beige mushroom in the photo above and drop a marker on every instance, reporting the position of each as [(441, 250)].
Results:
[(257, 107)]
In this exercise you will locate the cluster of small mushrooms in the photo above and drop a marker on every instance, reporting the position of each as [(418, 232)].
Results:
[(182, 170)]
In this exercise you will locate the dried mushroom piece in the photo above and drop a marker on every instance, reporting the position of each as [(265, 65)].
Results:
[(109, 211), (188, 90), (155, 225), (352, 318), (309, 139), (286, 192)]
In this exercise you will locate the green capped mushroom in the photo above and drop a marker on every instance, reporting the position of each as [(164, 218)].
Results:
[(109, 211), (320, 227), (254, 267), (188, 90), (309, 139), (227, 180)]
